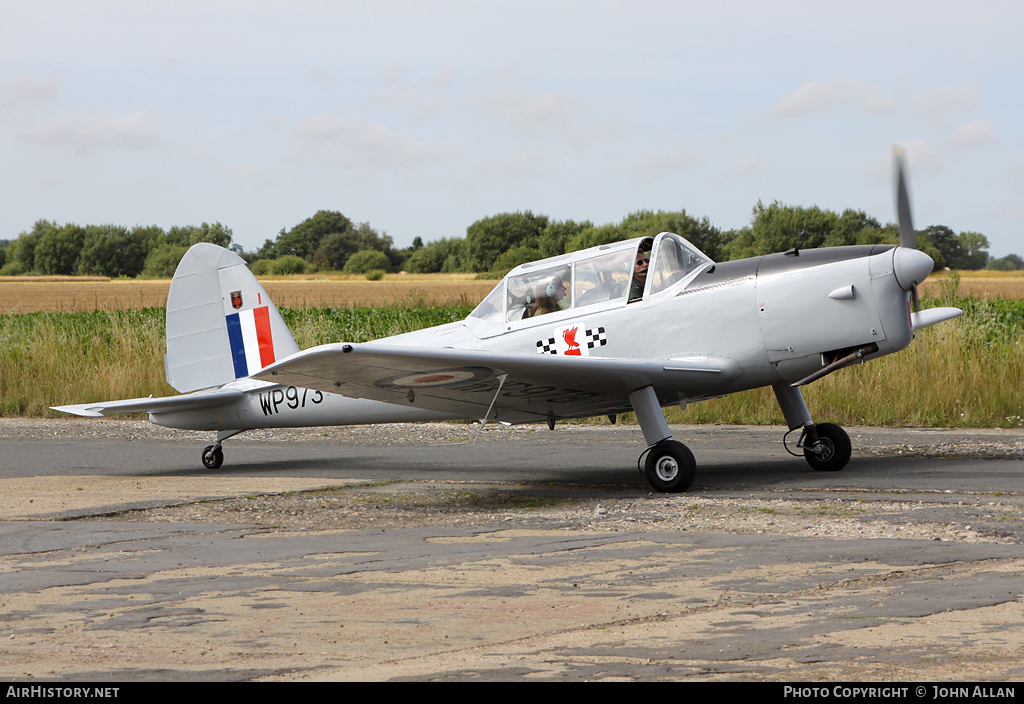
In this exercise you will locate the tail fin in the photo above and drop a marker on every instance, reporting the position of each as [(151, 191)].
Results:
[(221, 324)]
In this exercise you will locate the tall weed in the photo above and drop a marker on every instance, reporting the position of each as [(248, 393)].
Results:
[(51, 359), (55, 359)]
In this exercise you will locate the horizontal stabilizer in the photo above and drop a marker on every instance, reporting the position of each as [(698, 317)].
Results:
[(924, 318), (188, 402)]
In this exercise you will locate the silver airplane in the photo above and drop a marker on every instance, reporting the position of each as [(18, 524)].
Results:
[(631, 326)]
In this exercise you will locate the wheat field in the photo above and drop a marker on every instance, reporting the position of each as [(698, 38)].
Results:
[(71, 295)]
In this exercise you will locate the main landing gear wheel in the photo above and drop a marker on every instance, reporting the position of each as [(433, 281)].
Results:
[(835, 451), (670, 466), (213, 457)]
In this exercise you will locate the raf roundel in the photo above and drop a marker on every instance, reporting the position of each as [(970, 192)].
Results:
[(436, 378)]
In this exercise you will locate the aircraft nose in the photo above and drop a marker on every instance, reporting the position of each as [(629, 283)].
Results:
[(911, 267)]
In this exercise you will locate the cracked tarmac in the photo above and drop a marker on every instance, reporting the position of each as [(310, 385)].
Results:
[(475, 578)]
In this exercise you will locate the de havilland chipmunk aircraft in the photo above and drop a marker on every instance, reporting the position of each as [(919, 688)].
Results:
[(630, 326)]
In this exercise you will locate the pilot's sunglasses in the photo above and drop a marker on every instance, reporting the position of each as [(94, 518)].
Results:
[(642, 261)]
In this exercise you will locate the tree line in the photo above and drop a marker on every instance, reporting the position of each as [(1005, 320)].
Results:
[(105, 250), (330, 241), (503, 241)]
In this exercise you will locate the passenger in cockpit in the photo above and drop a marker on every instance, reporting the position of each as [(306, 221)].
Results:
[(550, 292)]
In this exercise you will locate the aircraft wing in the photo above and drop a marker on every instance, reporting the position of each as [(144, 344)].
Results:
[(187, 402), (523, 387)]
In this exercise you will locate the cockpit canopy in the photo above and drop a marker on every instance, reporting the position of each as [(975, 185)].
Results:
[(589, 277)]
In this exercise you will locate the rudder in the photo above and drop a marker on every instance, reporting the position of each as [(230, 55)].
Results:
[(221, 324)]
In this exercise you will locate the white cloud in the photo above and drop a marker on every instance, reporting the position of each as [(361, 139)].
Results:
[(417, 96), (248, 175), (86, 133), (24, 90), (745, 165), (974, 133), (1013, 213), (660, 164), (821, 97), (940, 102), (363, 148), (198, 155), (34, 88), (549, 114), (526, 163), (322, 79), (879, 105), (532, 112), (921, 157)]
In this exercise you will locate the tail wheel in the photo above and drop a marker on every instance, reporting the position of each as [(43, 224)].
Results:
[(835, 452), (213, 457), (670, 466)]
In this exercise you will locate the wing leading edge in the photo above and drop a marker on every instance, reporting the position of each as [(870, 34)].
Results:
[(524, 387)]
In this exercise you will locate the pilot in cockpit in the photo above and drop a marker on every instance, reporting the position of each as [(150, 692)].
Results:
[(643, 260)]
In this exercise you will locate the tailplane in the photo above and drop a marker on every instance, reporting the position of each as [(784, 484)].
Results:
[(221, 324)]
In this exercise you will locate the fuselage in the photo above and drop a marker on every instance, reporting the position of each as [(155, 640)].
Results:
[(763, 320)]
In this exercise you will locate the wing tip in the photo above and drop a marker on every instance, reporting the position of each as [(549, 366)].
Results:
[(84, 411)]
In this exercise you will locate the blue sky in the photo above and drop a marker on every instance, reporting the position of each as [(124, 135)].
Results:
[(421, 117)]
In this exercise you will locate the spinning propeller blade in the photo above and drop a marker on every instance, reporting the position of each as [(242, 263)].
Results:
[(908, 238)]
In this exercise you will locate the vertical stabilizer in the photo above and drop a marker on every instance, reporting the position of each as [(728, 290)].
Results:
[(221, 324)]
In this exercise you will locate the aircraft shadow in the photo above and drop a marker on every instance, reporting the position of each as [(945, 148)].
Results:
[(779, 473)]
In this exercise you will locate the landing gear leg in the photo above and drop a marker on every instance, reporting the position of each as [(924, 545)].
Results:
[(827, 446), (213, 455), (670, 465)]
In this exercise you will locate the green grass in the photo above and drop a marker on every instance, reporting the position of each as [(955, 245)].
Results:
[(967, 372), (319, 326)]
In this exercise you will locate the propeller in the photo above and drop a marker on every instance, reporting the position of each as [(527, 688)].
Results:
[(908, 238)]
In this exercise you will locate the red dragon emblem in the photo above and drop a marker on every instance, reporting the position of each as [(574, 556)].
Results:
[(570, 341)]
